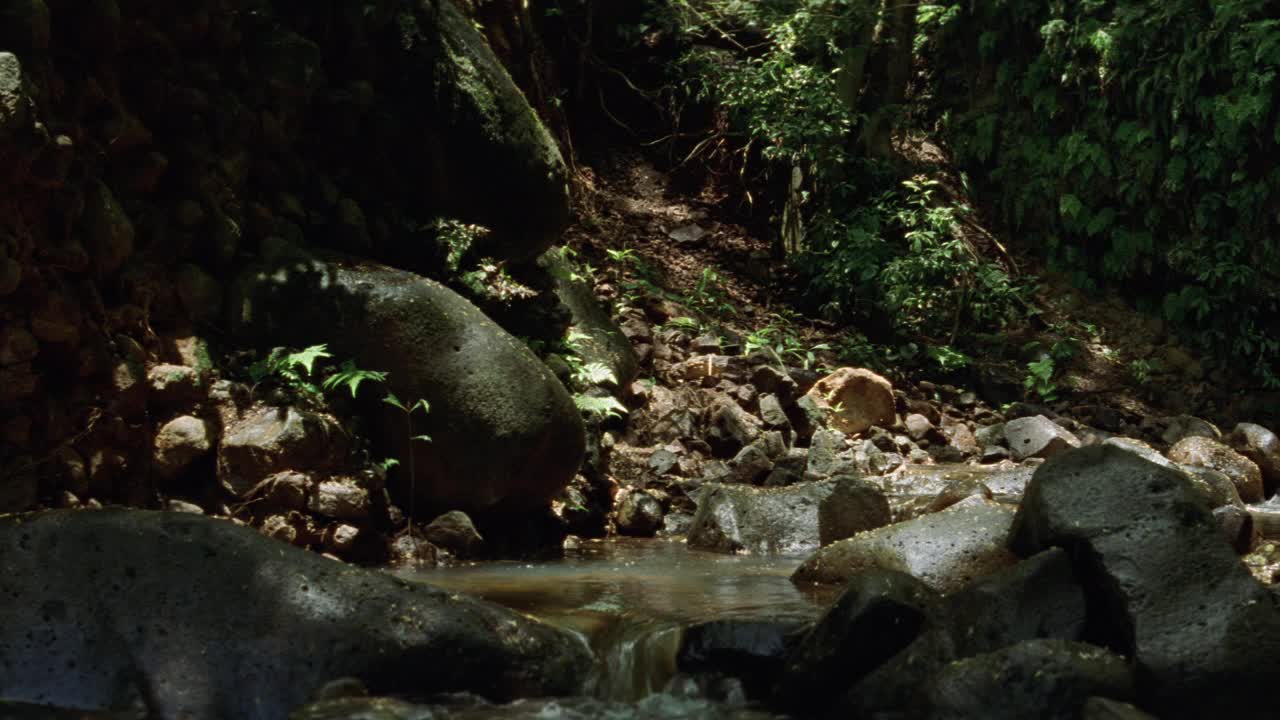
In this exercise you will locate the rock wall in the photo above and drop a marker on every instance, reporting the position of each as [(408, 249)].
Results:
[(149, 150)]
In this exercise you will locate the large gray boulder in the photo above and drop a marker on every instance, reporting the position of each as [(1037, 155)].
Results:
[(1165, 588), (744, 518), (504, 431), (200, 618), (947, 550)]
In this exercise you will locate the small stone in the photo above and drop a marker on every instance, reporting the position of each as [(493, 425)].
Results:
[(1037, 436), (179, 443), (662, 461), (341, 499), (1202, 452), (918, 426), (407, 551), (639, 514), (341, 538), (172, 386), (279, 527), (454, 532), (183, 506), (1262, 447), (750, 465)]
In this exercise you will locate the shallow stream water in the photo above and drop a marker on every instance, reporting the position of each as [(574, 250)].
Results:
[(631, 600)]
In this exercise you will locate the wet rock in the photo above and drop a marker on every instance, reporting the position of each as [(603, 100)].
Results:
[(408, 551), (880, 613), (1037, 436), (341, 538), (946, 550), (639, 514), (734, 518), (361, 708), (340, 498), (854, 399), (1202, 452), (268, 440), (1262, 447), (662, 461), (454, 531), (915, 489), (105, 604), (178, 443), (503, 429), (751, 650), (957, 491), (1048, 679), (1168, 591), (853, 506)]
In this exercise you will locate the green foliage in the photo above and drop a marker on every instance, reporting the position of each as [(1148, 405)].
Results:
[(350, 377), (867, 242), (1040, 378), (599, 407), (783, 344), (408, 409), (291, 370), (1128, 138)]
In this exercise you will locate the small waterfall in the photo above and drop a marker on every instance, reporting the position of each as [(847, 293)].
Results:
[(637, 658)]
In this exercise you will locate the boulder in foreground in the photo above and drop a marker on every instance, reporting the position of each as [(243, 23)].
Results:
[(200, 618)]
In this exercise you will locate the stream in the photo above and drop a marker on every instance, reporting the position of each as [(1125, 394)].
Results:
[(631, 600)]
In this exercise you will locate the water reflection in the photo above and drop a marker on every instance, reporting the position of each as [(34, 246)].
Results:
[(649, 579), (631, 600)]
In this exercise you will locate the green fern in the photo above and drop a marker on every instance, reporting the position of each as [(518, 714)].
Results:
[(600, 407)]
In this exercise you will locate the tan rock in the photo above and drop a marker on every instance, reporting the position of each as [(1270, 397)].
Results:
[(855, 399), (1206, 453)]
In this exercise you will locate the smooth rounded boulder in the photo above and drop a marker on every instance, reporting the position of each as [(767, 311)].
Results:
[(504, 432), (197, 618)]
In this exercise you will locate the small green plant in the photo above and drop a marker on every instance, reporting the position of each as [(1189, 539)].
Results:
[(1142, 370), (292, 371), (783, 345), (599, 407), (408, 410), (947, 358), (350, 377), (1040, 379)]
